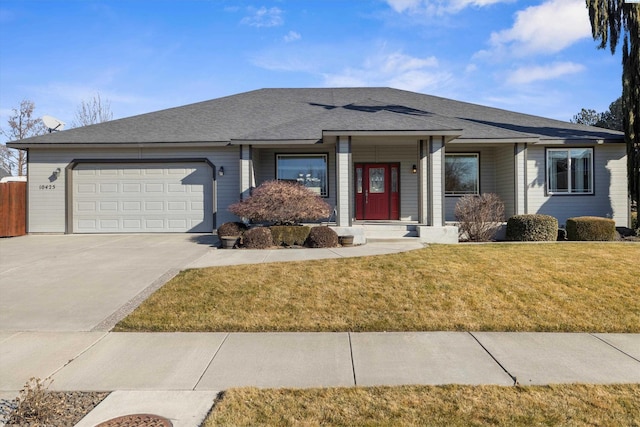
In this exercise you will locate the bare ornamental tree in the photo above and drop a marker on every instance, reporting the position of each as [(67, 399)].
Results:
[(96, 110), (22, 125)]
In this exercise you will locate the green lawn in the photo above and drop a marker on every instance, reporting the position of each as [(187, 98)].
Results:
[(560, 405), (587, 287)]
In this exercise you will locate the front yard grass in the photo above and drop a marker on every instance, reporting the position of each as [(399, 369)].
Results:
[(568, 287), (558, 405)]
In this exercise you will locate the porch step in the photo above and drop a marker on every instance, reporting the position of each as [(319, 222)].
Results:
[(393, 240), (389, 231)]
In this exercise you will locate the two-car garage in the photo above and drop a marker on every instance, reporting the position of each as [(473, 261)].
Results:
[(139, 197)]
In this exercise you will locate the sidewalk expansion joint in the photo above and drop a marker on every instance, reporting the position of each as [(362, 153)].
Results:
[(353, 366), (613, 346), (515, 380), (211, 361), (89, 347)]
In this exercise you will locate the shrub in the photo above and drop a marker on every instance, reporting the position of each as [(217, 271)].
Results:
[(479, 217), (289, 235), (591, 228), (282, 202), (532, 228), (635, 225), (232, 229), (34, 404), (322, 237), (257, 238)]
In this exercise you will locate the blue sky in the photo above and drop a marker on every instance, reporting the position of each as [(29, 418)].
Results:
[(536, 57)]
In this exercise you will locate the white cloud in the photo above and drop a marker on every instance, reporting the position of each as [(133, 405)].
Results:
[(396, 70), (401, 6), (264, 17), (524, 75), (547, 28), (438, 7), (292, 36)]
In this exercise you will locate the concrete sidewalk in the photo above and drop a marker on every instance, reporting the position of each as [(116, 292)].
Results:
[(195, 366)]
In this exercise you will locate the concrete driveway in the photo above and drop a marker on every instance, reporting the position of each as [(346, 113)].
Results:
[(81, 282)]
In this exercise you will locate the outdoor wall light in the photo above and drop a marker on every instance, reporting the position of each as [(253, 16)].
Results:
[(56, 172), (414, 169), (221, 171)]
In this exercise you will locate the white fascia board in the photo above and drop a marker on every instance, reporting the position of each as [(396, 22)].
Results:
[(594, 141), (19, 145), (447, 133), (275, 142), (531, 140)]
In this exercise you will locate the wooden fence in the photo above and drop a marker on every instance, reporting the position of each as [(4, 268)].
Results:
[(13, 208)]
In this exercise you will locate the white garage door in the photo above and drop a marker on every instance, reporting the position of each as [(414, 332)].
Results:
[(142, 197)]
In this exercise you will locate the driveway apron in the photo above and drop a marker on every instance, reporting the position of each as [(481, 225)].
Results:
[(75, 282)]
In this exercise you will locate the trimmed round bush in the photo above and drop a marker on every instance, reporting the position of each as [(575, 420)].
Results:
[(532, 228), (289, 235), (591, 228), (322, 237), (257, 238), (232, 229)]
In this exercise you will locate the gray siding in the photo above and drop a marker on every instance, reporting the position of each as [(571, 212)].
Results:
[(610, 190), (505, 177), (47, 206)]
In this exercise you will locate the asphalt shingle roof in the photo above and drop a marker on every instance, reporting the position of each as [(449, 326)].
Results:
[(304, 114)]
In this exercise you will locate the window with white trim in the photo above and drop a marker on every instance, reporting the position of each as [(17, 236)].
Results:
[(570, 171), (309, 170), (461, 174)]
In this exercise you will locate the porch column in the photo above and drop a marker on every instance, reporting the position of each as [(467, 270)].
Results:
[(343, 181), (423, 181), (431, 181), (435, 186), (520, 175), (246, 171)]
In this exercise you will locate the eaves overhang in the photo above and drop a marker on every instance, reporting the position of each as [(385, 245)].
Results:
[(455, 133), (580, 141), (275, 141), (523, 140), (195, 144)]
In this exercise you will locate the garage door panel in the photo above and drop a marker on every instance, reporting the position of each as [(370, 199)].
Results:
[(154, 188), (108, 187), (152, 206), (86, 188), (131, 207), (142, 198), (108, 206), (128, 187)]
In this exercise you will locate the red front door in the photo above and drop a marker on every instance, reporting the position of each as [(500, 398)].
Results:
[(377, 191)]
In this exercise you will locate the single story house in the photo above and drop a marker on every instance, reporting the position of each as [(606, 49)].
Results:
[(382, 157)]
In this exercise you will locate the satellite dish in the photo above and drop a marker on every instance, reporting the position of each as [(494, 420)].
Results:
[(52, 123)]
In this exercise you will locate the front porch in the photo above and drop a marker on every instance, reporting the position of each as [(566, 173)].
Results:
[(389, 187)]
